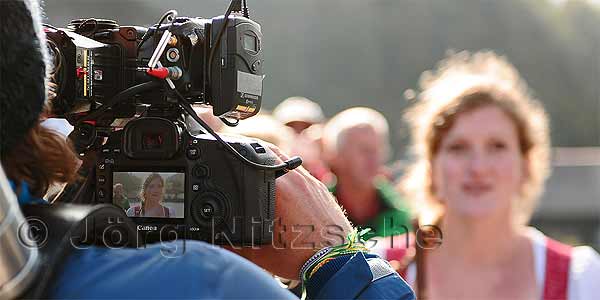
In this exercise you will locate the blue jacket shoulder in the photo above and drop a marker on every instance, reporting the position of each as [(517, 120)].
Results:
[(182, 269)]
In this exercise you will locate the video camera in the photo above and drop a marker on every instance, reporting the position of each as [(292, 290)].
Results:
[(203, 186)]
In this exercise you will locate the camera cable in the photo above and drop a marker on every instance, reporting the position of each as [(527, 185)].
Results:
[(172, 14), (211, 56)]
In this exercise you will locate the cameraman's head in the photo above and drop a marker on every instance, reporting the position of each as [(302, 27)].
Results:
[(29, 153)]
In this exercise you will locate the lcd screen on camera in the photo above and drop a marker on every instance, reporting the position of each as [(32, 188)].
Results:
[(250, 43), (150, 195)]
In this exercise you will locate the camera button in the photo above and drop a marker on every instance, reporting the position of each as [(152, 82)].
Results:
[(195, 187), (258, 148), (200, 171), (193, 152), (101, 180), (207, 210), (210, 209), (101, 193)]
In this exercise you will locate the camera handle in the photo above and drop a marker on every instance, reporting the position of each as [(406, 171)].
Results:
[(280, 169)]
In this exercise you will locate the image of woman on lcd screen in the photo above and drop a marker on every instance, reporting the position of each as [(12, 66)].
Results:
[(152, 198)]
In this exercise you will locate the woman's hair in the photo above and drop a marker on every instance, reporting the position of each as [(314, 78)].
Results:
[(461, 83), (146, 184), (41, 158)]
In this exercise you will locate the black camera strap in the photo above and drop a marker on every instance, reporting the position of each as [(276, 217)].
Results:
[(60, 229)]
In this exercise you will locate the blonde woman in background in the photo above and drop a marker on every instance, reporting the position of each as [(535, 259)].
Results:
[(482, 157)]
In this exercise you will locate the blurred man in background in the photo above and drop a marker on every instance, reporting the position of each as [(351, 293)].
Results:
[(356, 145), (299, 113), (119, 196), (306, 118)]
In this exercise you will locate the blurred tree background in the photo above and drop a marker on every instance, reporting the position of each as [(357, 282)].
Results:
[(131, 184), (344, 53)]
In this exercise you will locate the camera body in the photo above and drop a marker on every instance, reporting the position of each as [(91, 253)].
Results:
[(171, 183), (205, 194)]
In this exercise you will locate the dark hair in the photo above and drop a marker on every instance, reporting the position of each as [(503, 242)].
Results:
[(41, 158), (23, 68)]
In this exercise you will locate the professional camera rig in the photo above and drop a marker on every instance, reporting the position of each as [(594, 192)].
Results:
[(222, 189)]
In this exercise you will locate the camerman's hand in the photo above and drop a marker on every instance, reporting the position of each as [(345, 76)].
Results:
[(308, 219)]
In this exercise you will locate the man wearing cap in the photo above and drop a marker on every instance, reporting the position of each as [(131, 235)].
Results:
[(306, 118), (298, 113)]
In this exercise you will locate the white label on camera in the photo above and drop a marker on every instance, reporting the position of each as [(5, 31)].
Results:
[(249, 83)]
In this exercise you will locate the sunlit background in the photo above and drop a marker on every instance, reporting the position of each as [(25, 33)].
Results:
[(343, 53)]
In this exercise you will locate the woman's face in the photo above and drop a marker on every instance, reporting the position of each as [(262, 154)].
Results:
[(479, 168), (154, 191)]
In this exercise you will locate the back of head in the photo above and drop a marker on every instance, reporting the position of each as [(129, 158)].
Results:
[(29, 152), (22, 97), (22, 70)]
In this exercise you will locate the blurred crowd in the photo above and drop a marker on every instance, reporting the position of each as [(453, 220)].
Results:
[(480, 146), (481, 157)]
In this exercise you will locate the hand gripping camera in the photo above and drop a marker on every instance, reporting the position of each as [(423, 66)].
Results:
[(206, 187)]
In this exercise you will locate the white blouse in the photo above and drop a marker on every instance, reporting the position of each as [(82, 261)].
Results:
[(584, 269)]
